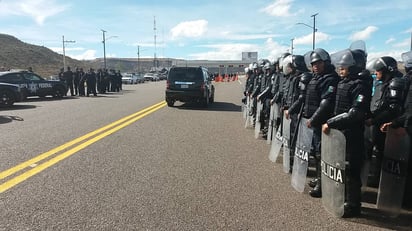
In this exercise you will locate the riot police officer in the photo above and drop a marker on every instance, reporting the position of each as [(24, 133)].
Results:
[(91, 82), (266, 95), (293, 66), (319, 104), (351, 105), (386, 105), (405, 121), (68, 77)]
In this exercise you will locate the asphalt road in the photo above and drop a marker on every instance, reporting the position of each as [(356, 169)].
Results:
[(113, 162)]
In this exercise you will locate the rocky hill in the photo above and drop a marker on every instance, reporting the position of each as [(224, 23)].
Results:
[(15, 54)]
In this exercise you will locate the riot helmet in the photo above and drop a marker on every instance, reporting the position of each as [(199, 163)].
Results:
[(280, 59), (407, 60), (254, 66), (386, 64), (287, 66), (319, 54), (299, 63), (305, 78)]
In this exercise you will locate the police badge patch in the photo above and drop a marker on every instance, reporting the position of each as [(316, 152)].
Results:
[(360, 98)]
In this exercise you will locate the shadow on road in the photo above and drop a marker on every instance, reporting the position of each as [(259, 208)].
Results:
[(216, 106), (17, 107), (7, 119)]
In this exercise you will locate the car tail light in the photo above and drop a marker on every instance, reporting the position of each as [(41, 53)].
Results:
[(167, 84), (202, 87)]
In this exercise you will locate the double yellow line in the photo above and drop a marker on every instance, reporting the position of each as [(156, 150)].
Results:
[(39, 163)]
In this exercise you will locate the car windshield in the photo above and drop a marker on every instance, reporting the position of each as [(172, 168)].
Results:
[(185, 74)]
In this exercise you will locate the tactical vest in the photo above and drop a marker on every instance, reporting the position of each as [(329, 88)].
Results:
[(344, 98), (293, 91), (312, 99), (376, 100)]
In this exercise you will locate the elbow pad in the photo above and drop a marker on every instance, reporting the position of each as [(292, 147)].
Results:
[(323, 112)]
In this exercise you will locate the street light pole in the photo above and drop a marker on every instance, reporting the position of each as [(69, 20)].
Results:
[(64, 51), (104, 47), (291, 46), (313, 28)]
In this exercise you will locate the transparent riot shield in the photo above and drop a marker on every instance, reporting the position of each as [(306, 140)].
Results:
[(394, 171), (271, 123), (259, 108), (286, 143), (333, 165), (277, 140), (245, 108), (301, 158), (367, 163), (248, 121)]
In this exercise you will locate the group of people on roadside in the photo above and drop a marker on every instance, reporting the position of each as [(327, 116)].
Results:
[(369, 102), (83, 83)]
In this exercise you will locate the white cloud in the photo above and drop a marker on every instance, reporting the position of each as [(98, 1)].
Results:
[(39, 10), (308, 39), (363, 34), (87, 55), (279, 8), (390, 40), (225, 51), (189, 29)]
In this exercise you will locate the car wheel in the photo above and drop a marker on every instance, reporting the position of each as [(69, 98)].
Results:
[(205, 102), (7, 98), (170, 102), (58, 92), (212, 98)]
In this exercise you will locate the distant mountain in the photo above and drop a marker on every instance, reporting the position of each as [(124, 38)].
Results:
[(15, 54)]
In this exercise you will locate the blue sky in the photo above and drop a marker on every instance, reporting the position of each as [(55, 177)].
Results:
[(206, 29)]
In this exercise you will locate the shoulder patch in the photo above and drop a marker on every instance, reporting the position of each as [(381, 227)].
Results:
[(360, 98), (331, 89)]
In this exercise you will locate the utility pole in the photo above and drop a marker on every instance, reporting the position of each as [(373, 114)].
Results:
[(154, 30), (291, 46), (314, 29), (104, 47), (64, 51), (138, 59)]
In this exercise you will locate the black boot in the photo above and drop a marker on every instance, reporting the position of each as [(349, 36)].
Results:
[(317, 190), (351, 210), (312, 183)]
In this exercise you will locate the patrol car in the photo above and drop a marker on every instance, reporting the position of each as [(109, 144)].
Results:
[(9, 94), (32, 84)]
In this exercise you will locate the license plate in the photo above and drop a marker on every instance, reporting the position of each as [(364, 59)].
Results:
[(184, 86)]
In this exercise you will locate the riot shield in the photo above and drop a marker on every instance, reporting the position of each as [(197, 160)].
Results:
[(368, 149), (286, 144), (245, 108), (277, 140), (301, 158), (394, 171), (259, 108), (333, 171), (272, 116), (248, 120)]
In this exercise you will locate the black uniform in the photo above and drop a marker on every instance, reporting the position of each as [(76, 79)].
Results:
[(319, 105), (350, 110), (91, 82), (385, 107), (68, 77)]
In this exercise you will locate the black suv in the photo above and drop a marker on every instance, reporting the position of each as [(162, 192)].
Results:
[(34, 85), (189, 84)]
